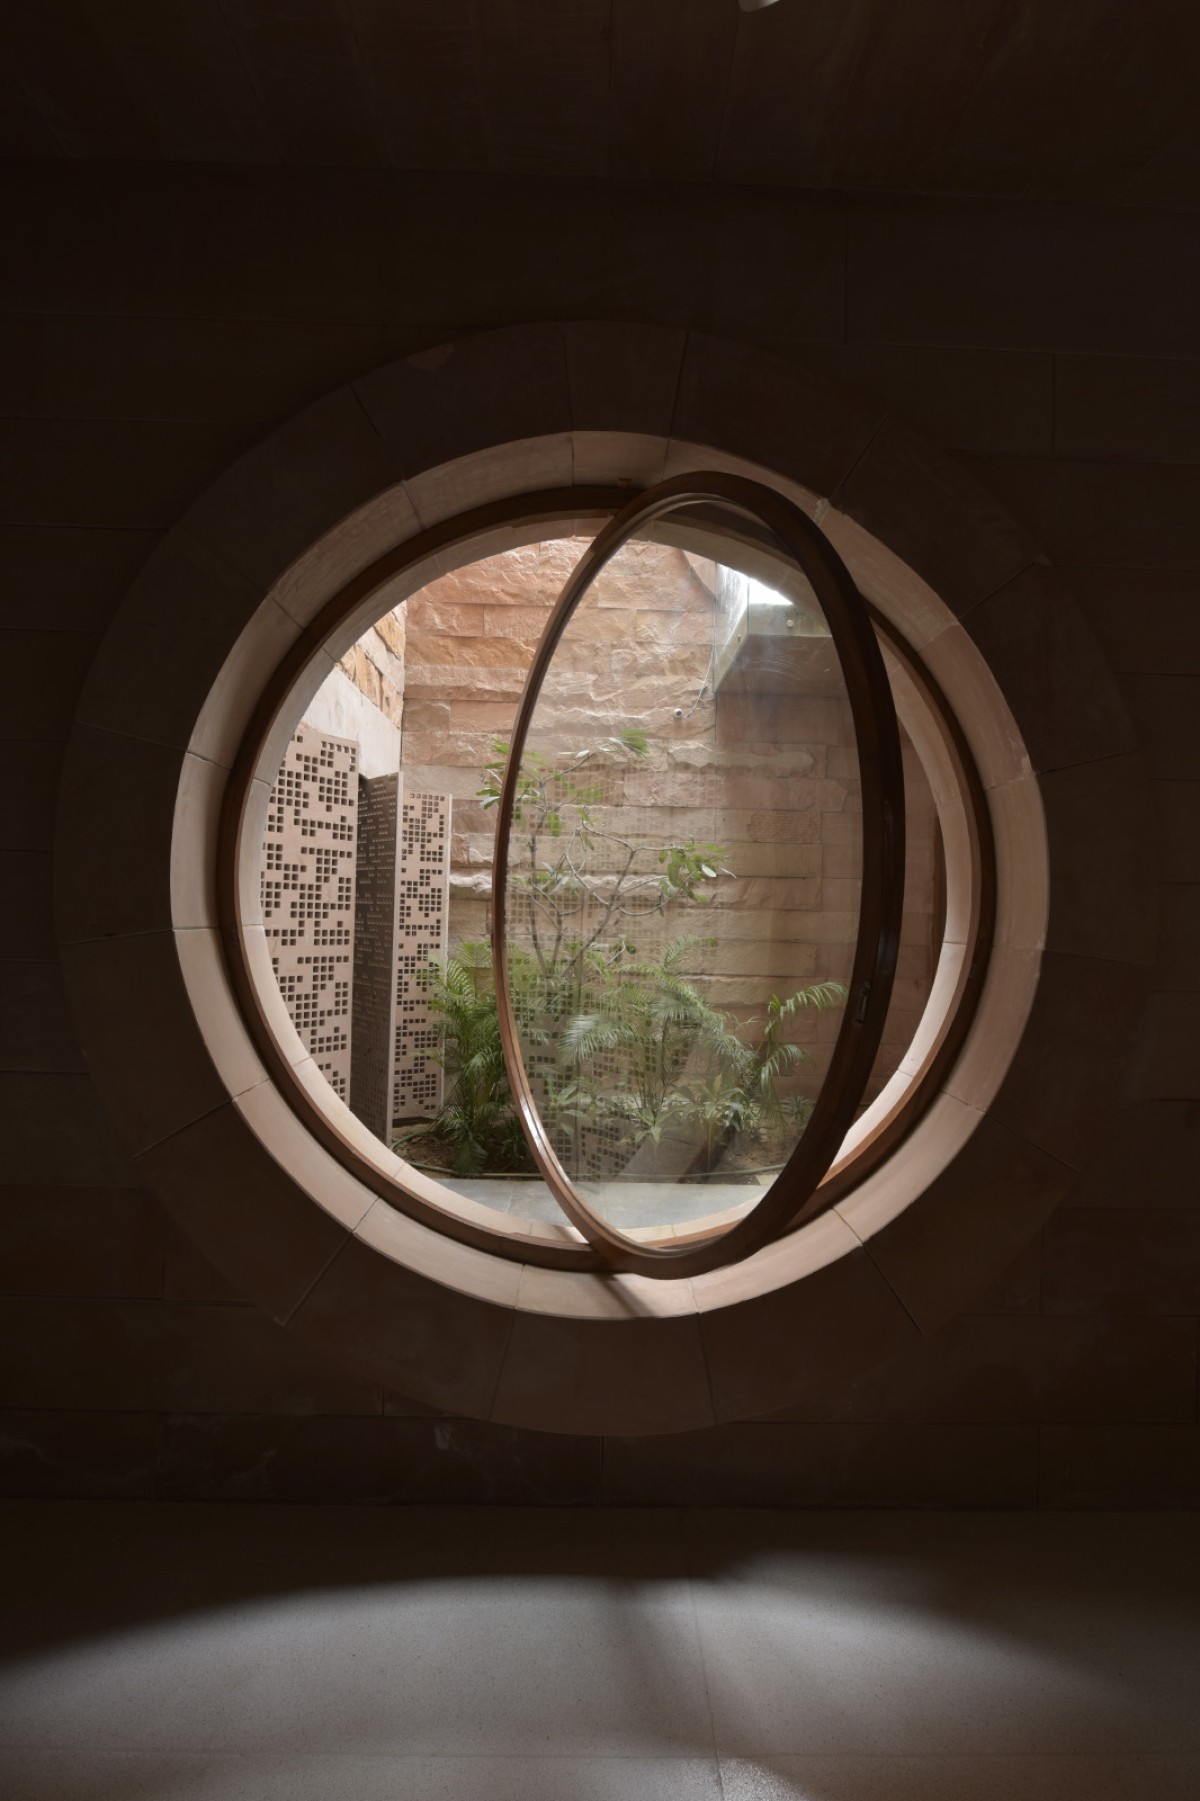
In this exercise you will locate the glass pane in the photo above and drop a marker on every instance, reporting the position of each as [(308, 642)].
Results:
[(682, 900)]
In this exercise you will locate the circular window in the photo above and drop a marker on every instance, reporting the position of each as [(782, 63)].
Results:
[(676, 1011), (681, 1254)]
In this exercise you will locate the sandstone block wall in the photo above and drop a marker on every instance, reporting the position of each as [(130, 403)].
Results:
[(765, 766), (375, 664)]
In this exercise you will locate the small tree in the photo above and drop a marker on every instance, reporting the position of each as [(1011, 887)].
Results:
[(621, 1043), (572, 865), (682, 1071)]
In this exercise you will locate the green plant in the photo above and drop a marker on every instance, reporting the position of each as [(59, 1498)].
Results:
[(477, 1120), (617, 1043), (678, 1070), (583, 886)]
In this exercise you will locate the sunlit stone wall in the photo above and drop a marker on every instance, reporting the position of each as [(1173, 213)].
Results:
[(766, 768)]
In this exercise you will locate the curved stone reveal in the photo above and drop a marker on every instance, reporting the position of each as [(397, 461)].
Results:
[(239, 585)]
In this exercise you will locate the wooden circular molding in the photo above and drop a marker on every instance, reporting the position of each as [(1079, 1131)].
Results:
[(436, 461), (882, 777)]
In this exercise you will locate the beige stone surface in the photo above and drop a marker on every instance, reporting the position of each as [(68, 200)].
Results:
[(931, 1253)]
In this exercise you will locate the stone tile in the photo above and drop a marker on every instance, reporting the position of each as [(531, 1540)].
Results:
[(1140, 409), (817, 1643), (953, 532), (1074, 1059), (628, 459), (61, 1452), (41, 675), (1101, 905), (942, 1778), (216, 1775), (306, 68), (781, 276), (1145, 619), (56, 1133), (1122, 1260), (382, 1461), (36, 1031), (798, 422), (525, 120), (1060, 142), (66, 579), (1050, 668), (1018, 1290), (70, 1353), (116, 854), (26, 903), (253, 371), (493, 474), (174, 631), (194, 243), (1011, 1369), (400, 1407), (428, 1635), (766, 133), (80, 1241), (1023, 276), (622, 378), (409, 123), (1179, 937), (367, 1306), (314, 1635), (974, 1218), (1177, 812), (271, 506), (208, 1006), (839, 1317), (826, 1465), (1126, 515), (1166, 1057), (672, 51), (165, 75), (234, 1360), (996, 401), (135, 474), (26, 132), (29, 798), (187, 1274), (1148, 1155), (131, 990), (444, 403), (272, 1253), (1166, 708), (586, 1376), (1125, 1466), (128, 1354)]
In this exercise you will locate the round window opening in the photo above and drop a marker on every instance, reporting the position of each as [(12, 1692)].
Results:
[(625, 894)]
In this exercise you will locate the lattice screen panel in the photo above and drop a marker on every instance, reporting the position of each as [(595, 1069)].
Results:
[(372, 1062), (422, 920), (403, 902), (308, 883)]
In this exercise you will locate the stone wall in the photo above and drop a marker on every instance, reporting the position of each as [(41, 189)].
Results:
[(363, 698), (375, 665), (159, 321), (765, 767)]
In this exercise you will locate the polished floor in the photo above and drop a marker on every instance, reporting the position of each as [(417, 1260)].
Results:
[(626, 1205), (202, 1653)]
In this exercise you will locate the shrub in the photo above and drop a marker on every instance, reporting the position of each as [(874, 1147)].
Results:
[(626, 1046)]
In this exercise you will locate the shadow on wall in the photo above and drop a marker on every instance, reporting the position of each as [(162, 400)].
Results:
[(176, 1651)]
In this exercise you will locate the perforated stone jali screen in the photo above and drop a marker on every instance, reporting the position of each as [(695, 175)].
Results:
[(309, 870)]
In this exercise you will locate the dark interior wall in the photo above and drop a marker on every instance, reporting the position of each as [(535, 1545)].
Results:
[(159, 322)]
